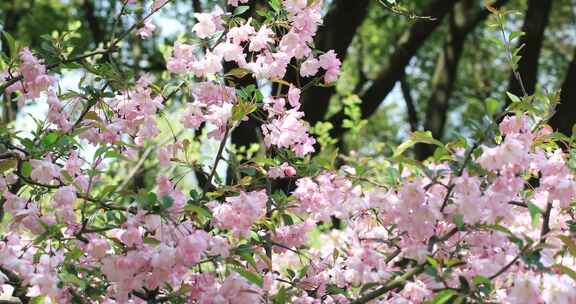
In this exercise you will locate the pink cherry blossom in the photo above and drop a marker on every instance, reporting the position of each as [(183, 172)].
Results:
[(309, 67), (294, 96), (44, 171), (261, 40), (235, 2), (284, 170), (240, 212), (331, 64), (35, 79), (288, 131), (208, 23), (181, 59), (242, 33), (146, 30)]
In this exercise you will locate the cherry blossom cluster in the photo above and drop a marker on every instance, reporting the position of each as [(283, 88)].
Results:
[(263, 54), (34, 78), (489, 223), (413, 214)]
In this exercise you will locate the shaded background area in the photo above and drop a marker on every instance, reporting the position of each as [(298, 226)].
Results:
[(414, 64)]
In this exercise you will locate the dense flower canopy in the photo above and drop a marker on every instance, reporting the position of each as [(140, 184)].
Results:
[(487, 221)]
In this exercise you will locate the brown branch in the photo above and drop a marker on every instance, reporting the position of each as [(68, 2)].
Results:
[(15, 281), (510, 264), (545, 222), (216, 161), (391, 285), (410, 104)]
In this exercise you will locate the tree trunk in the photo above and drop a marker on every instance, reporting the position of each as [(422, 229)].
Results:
[(565, 116), (337, 35), (535, 23), (463, 21), (95, 25)]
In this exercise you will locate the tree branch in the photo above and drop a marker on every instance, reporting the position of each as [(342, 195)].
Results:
[(410, 104)]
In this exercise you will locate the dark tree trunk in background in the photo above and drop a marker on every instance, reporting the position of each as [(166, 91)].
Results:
[(411, 111), (394, 66), (197, 6), (463, 21), (94, 24), (565, 116), (535, 23), (337, 32)]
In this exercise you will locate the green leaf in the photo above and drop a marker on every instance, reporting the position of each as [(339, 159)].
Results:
[(281, 296), (70, 278), (50, 139), (333, 289), (7, 164), (248, 171), (167, 201), (492, 106), (569, 244), (276, 5), (241, 10), (515, 35), (458, 220), (479, 280), (432, 262), (484, 284), (38, 300), (66, 176), (250, 276), (535, 214), (417, 137), (513, 97), (287, 219), (26, 169), (241, 109), (497, 228), (199, 210), (443, 296), (369, 286), (151, 241), (245, 252), (11, 44), (91, 115), (238, 73)]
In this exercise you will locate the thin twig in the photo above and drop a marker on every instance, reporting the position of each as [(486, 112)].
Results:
[(216, 161), (391, 285), (507, 266)]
